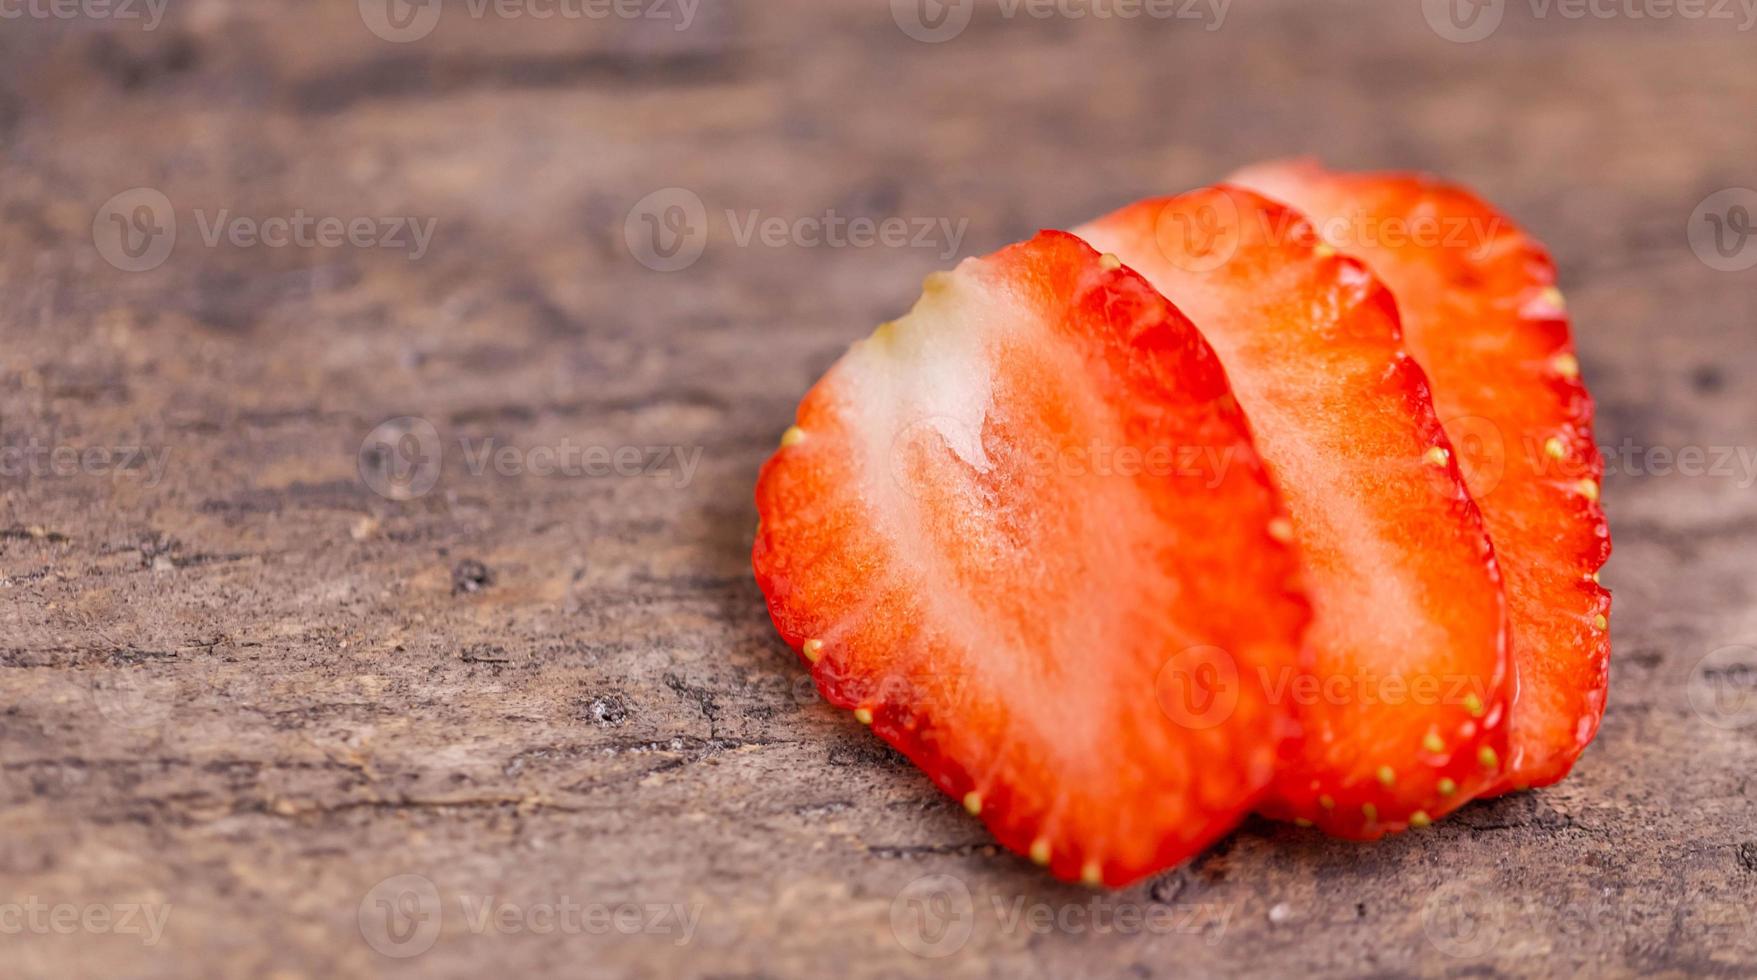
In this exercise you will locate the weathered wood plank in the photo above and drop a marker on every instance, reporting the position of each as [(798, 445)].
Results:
[(241, 685)]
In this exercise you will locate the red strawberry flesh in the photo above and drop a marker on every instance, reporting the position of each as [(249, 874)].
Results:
[(1482, 314), (1404, 717), (1023, 533)]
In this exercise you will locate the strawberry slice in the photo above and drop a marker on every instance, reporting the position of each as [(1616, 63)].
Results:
[(1405, 715), (1022, 532), (1482, 314)]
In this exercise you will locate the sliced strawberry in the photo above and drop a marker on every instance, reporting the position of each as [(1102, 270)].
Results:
[(1023, 533), (1482, 314), (1404, 718)]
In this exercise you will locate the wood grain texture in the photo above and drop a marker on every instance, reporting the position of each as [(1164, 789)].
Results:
[(241, 687)]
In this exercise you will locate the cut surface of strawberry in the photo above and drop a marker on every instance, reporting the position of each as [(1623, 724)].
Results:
[(1483, 316), (1023, 533), (1404, 714)]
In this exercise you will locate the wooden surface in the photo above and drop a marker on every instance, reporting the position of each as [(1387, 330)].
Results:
[(242, 688)]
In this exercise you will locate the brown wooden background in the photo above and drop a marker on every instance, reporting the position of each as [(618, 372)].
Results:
[(250, 690)]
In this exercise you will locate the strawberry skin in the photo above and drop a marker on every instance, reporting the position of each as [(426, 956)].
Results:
[(1404, 718), (1023, 533), (1482, 314)]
